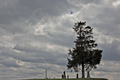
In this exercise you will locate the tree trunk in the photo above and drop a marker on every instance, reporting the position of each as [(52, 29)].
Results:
[(83, 74)]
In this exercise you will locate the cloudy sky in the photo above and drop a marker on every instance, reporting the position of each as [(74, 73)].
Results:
[(36, 35)]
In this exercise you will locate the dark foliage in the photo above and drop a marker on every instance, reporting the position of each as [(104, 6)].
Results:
[(84, 53)]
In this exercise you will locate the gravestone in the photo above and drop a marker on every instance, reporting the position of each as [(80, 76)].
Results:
[(77, 75), (68, 76), (63, 75)]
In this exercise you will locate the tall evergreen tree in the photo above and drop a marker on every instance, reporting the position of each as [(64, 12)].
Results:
[(84, 53)]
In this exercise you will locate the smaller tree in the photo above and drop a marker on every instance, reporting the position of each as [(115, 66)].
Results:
[(84, 53), (94, 58)]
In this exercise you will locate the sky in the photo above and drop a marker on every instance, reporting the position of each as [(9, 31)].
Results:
[(37, 34)]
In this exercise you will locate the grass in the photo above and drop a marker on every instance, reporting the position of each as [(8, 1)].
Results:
[(73, 79)]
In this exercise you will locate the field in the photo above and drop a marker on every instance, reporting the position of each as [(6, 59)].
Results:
[(73, 79)]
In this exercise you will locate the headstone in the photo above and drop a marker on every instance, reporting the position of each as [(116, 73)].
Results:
[(77, 75), (68, 76), (63, 75)]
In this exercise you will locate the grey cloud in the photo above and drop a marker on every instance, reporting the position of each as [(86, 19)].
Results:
[(36, 55), (109, 66), (58, 61), (90, 1), (107, 70), (32, 10), (61, 39), (28, 12), (48, 47), (9, 63), (84, 2), (22, 56), (26, 48), (111, 51), (105, 18)]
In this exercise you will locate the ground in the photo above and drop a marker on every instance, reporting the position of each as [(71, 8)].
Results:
[(73, 79)]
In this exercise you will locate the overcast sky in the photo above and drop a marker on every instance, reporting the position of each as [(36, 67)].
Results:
[(36, 34)]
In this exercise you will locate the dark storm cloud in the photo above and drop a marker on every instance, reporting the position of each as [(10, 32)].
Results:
[(31, 10), (15, 18)]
